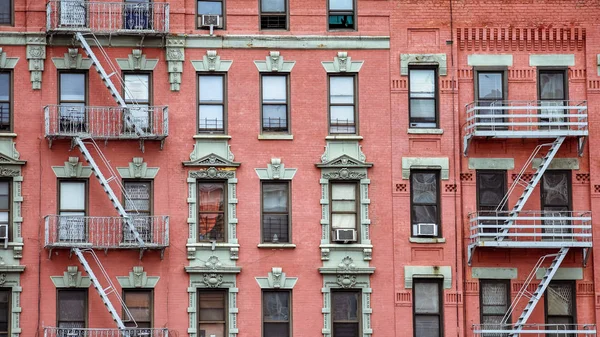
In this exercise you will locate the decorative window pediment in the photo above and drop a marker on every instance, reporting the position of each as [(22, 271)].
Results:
[(276, 171), (423, 59), (275, 63), (138, 278), (72, 169), (342, 63), (212, 62), (345, 161), (137, 61), (7, 62), (276, 279), (138, 169), (72, 60), (6, 160), (339, 152), (214, 265), (71, 278), (347, 266), (211, 153)]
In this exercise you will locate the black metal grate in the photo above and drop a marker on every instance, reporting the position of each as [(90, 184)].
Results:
[(273, 22)]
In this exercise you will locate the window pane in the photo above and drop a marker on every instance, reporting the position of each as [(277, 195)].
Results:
[(274, 89), (137, 87), (341, 4), (276, 330), (552, 86), (211, 306), (71, 305), (272, 6), (211, 89), (211, 226), (210, 7), (5, 11), (275, 228), (556, 189), (490, 85), (4, 85), (342, 115), (210, 197), (422, 109), (4, 195), (138, 196), (343, 221), (424, 214), (424, 187), (212, 329), (72, 87), (341, 89), (427, 326), (274, 117), (427, 297), (345, 329), (490, 188), (276, 306), (343, 206), (345, 305), (275, 197), (72, 195), (494, 298), (560, 299), (422, 83), (139, 304), (211, 117), (343, 191)]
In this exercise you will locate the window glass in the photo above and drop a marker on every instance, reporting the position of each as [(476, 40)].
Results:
[(422, 83), (343, 205), (341, 89), (138, 196), (212, 313), (72, 195), (139, 303), (211, 89), (211, 205), (424, 109), (137, 87), (345, 313), (560, 299), (427, 308), (72, 87), (426, 298), (71, 308), (341, 4), (491, 186), (552, 85), (276, 306), (5, 311), (272, 6), (210, 7), (5, 12), (4, 86), (274, 89), (4, 195), (490, 85), (275, 197), (424, 187)]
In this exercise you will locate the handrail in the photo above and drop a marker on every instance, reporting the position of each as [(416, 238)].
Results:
[(103, 332), (538, 330)]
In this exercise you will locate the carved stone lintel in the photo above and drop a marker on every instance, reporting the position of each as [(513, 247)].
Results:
[(439, 59), (274, 63), (36, 54), (342, 63), (137, 61), (212, 280), (346, 280), (72, 60), (212, 62), (6, 172), (7, 62), (175, 55), (345, 174), (212, 173)]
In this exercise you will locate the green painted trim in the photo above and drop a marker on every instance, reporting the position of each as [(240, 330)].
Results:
[(12, 280), (425, 131), (426, 240), (562, 274), (276, 245), (558, 164), (425, 163), (212, 62), (72, 169), (276, 42), (342, 63), (357, 282), (411, 272), (276, 279), (275, 63), (268, 136), (36, 55), (137, 61), (494, 273), (213, 281), (71, 279), (481, 60), (138, 278), (138, 169), (550, 60), (491, 163), (72, 60), (438, 59), (275, 171), (7, 62)]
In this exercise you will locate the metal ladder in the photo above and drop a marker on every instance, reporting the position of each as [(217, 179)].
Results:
[(529, 185), (104, 292), (105, 185), (539, 291), (129, 121)]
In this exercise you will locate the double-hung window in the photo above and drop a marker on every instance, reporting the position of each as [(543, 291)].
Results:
[(553, 95), (425, 203), (273, 14), (275, 212), (423, 106), (494, 300), (140, 306), (212, 313), (427, 307), (5, 207), (346, 313), (138, 203), (491, 91), (560, 307), (6, 12), (5, 101), (276, 313), (71, 311), (342, 105), (491, 188), (137, 96), (72, 101), (209, 9), (211, 104), (5, 312), (72, 210), (212, 203), (344, 215), (342, 14), (275, 107), (556, 202)]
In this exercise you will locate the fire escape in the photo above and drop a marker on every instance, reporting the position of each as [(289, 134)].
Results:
[(518, 228), (82, 235)]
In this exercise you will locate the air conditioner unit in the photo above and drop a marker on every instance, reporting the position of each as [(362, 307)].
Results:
[(344, 235), (4, 234), (210, 21), (425, 229)]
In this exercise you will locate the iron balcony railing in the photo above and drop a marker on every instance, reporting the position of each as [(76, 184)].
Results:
[(532, 227), (535, 330), (531, 118), (81, 332), (106, 122), (107, 17), (62, 231)]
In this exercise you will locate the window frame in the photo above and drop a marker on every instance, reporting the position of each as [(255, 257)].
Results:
[(11, 100), (289, 209), (354, 104), (359, 308), (572, 284), (223, 15), (86, 191), (440, 314), (12, 16), (287, 103), (148, 236), (225, 293), (508, 299), (356, 184), (342, 12), (9, 311), (85, 301), (563, 70), (225, 209), (289, 322), (436, 96), (224, 131), (9, 181), (85, 102), (285, 13), (502, 70), (150, 93), (150, 291), (438, 203)]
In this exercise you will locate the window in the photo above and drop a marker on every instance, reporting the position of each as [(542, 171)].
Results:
[(275, 103), (556, 201), (72, 309), (344, 215), (5, 207), (211, 104), (211, 211), (346, 312), (137, 96), (552, 92), (211, 7), (6, 12), (72, 101), (491, 188), (5, 311), (275, 212), (5, 101), (72, 211), (425, 204), (560, 306), (491, 91), (138, 203), (212, 313), (494, 302), (342, 14), (276, 314), (427, 307), (273, 14), (139, 303), (423, 97), (342, 104)]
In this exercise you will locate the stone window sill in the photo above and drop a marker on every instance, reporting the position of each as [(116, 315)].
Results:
[(343, 137), (427, 240), (274, 136), (8, 134), (211, 136), (416, 131), (277, 245)]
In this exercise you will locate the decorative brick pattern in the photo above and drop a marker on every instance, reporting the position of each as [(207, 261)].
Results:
[(596, 188), (582, 177), (525, 177), (520, 39), (450, 188), (466, 177), (400, 188)]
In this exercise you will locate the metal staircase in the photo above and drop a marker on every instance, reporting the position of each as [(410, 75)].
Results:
[(539, 291)]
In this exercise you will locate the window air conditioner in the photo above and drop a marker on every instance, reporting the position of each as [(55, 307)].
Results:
[(425, 229), (210, 21), (4, 234), (344, 235)]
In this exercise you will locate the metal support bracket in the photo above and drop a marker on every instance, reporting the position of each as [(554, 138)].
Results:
[(470, 251), (580, 145), (142, 148), (586, 256), (466, 145), (162, 143), (50, 254), (162, 254), (49, 143), (142, 250)]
